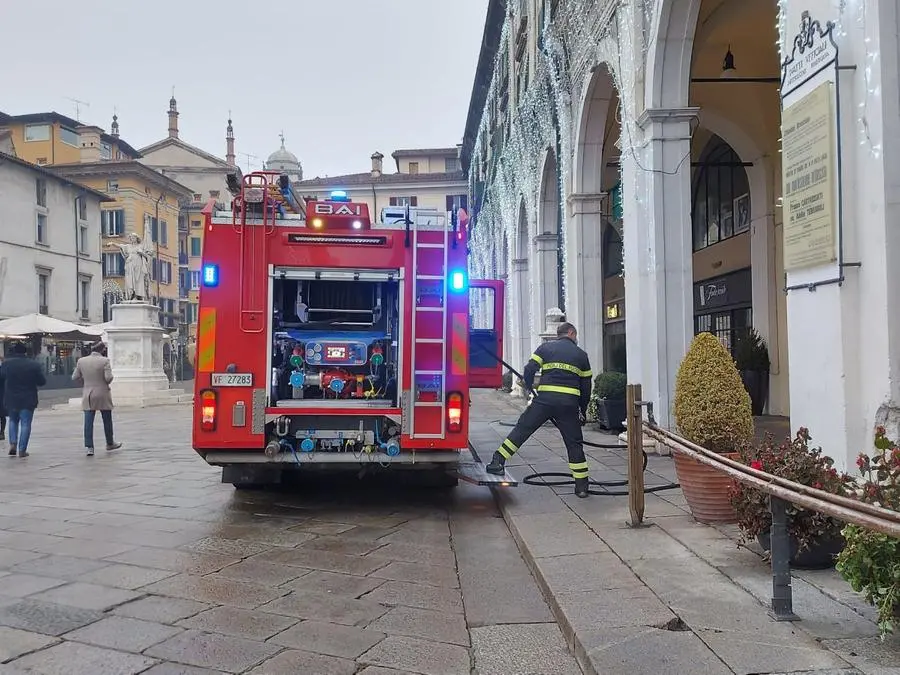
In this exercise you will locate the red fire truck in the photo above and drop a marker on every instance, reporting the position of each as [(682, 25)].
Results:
[(326, 340)]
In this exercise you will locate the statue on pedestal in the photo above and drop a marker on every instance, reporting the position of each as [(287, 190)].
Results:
[(138, 258)]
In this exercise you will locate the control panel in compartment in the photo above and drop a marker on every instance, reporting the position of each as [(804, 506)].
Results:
[(335, 341)]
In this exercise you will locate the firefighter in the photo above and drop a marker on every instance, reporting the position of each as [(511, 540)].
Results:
[(562, 396)]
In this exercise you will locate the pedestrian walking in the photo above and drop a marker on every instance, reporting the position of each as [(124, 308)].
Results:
[(21, 378), (94, 373), (562, 396)]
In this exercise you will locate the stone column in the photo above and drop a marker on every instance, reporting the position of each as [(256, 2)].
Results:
[(546, 288), (658, 267), (506, 326), (584, 273), (520, 313)]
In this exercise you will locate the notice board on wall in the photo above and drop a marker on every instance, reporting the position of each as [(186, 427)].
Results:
[(810, 179)]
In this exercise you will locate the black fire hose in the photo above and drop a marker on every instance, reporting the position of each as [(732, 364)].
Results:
[(540, 478)]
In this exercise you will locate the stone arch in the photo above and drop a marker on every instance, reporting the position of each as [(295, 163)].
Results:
[(762, 224), (587, 203), (670, 53)]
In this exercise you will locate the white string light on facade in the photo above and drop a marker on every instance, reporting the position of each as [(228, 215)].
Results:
[(583, 34)]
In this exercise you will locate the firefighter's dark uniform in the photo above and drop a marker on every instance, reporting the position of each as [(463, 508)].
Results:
[(563, 396)]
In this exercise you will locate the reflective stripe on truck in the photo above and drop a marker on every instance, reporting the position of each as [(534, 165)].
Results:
[(206, 340)]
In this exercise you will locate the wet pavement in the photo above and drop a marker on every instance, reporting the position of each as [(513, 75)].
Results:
[(141, 561)]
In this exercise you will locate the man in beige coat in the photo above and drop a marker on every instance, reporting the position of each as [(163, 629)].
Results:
[(94, 373)]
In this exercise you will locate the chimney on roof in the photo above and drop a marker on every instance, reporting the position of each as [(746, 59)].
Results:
[(173, 116), (377, 164), (89, 138), (114, 129), (229, 142)]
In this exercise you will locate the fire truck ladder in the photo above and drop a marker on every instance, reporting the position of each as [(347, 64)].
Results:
[(416, 310), (253, 294)]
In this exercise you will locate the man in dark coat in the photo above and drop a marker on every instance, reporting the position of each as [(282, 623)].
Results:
[(21, 378)]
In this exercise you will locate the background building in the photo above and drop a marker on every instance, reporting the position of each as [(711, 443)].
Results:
[(50, 138), (427, 178), (143, 201), (49, 244), (624, 160), (205, 175)]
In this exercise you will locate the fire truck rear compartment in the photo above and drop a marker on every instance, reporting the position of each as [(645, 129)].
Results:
[(334, 343)]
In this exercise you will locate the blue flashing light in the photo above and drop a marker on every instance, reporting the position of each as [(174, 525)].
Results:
[(211, 275), (458, 281), (307, 445), (339, 196)]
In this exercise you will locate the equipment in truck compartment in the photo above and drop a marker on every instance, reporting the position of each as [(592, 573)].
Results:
[(335, 366)]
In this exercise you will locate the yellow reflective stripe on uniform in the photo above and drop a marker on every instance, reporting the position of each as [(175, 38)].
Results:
[(509, 450), (559, 390), (537, 359), (579, 469), (565, 366)]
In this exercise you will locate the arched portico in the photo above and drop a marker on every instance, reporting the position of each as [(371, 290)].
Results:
[(588, 207), (690, 98)]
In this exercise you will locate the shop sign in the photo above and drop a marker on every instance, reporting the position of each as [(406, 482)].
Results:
[(728, 290), (811, 53)]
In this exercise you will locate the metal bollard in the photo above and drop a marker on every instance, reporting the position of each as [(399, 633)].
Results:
[(780, 552)]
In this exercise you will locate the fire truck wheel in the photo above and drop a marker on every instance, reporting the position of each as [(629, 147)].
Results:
[(249, 486), (440, 478)]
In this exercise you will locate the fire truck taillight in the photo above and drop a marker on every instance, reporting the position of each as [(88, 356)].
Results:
[(209, 404), (454, 412)]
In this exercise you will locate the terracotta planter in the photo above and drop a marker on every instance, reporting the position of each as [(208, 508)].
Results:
[(705, 489)]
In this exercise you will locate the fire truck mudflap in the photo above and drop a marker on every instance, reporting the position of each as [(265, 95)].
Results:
[(326, 341)]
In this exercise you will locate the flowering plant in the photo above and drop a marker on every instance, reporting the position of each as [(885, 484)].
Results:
[(870, 561), (796, 461)]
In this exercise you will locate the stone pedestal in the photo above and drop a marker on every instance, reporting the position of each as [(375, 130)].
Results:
[(135, 346), (135, 353), (554, 317)]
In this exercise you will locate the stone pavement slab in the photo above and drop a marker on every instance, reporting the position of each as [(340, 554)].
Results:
[(72, 658), (671, 597), (523, 648), (142, 561)]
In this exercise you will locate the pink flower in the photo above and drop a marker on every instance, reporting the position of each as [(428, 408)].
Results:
[(756, 464)]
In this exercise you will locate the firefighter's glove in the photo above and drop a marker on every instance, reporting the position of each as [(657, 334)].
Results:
[(582, 417)]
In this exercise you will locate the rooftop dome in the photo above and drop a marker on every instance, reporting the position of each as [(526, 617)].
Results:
[(286, 161), (283, 155)]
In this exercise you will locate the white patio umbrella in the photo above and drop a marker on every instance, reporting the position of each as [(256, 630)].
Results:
[(40, 324)]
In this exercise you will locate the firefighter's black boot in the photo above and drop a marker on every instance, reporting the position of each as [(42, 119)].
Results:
[(497, 465), (581, 487)]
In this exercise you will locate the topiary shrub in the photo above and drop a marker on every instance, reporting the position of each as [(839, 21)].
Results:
[(609, 386), (712, 407)]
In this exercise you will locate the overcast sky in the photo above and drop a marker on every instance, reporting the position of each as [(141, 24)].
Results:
[(342, 78)]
